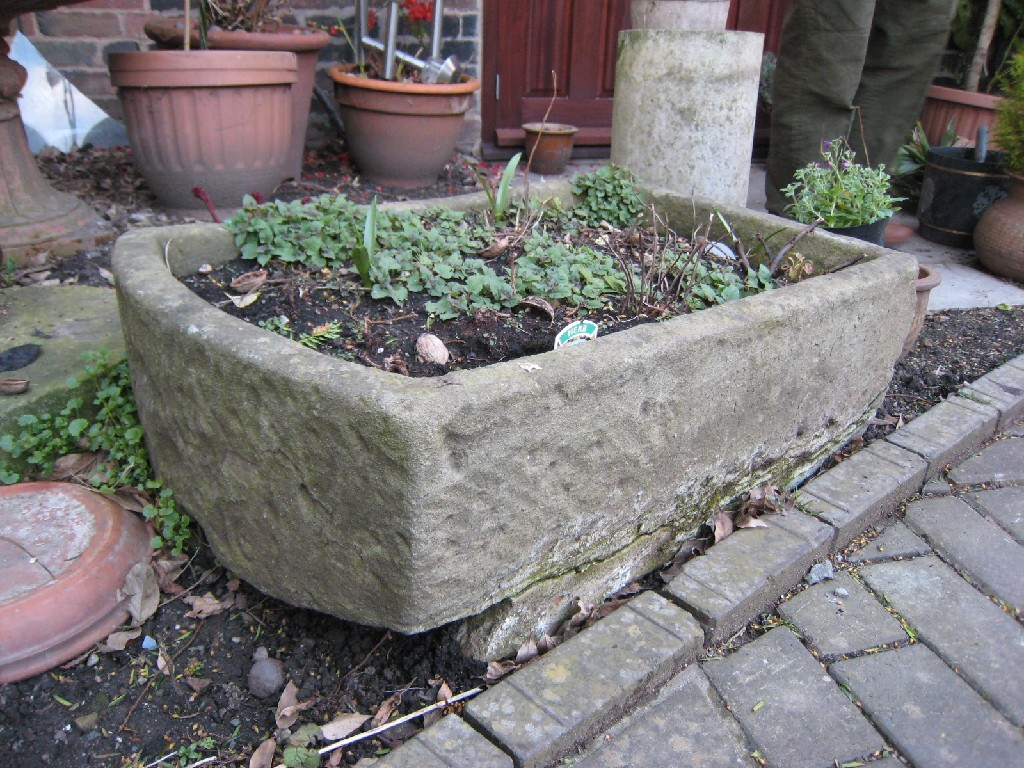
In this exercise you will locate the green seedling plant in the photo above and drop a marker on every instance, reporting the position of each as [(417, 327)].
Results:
[(499, 195), (362, 255), (606, 195), (100, 438)]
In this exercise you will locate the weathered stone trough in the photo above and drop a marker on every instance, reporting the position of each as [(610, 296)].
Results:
[(504, 492)]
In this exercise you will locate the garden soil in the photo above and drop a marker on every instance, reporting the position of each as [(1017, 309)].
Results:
[(182, 690)]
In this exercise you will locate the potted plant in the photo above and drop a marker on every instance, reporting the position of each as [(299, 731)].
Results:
[(999, 236), (207, 127), (242, 25), (845, 197), (400, 130), (983, 36), (854, 200), (509, 489)]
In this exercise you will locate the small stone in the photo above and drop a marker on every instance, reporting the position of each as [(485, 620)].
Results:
[(266, 677), (821, 572), (260, 653), (840, 592)]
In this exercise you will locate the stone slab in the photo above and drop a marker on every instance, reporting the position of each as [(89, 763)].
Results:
[(686, 725), (65, 321), (966, 629), (946, 433), (1002, 461), (1005, 389), (862, 489), (449, 743), (894, 542), (1004, 505), (839, 616), (929, 714), (789, 706), (571, 693), (743, 574), (988, 553)]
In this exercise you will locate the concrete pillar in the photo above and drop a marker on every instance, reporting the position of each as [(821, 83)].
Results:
[(679, 14), (684, 110)]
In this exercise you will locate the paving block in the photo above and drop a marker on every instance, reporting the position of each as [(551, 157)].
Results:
[(573, 692), (686, 725), (839, 616), (789, 706), (1004, 387), (988, 553), (449, 743), (1001, 461), (937, 486), (742, 575), (1004, 505), (861, 490), (947, 432), (928, 713), (895, 541), (966, 629)]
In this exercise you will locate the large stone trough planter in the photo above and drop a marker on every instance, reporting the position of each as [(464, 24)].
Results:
[(504, 492)]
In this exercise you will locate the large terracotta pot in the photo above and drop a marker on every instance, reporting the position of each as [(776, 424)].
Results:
[(220, 120), (400, 133), (999, 236), (304, 42), (968, 111)]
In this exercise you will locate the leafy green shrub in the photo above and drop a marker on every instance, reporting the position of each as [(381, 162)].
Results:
[(1009, 128), (102, 418), (606, 194)]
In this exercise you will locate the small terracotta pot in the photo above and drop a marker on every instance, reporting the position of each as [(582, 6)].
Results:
[(927, 278), (999, 236), (401, 133), (304, 42), (549, 146), (221, 120)]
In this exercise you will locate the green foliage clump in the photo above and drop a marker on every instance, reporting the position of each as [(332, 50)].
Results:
[(1009, 128), (606, 195), (105, 422), (838, 191)]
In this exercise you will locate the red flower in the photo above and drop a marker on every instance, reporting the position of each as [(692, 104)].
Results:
[(419, 10), (371, 19)]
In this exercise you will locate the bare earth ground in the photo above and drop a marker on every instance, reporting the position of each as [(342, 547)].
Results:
[(120, 709)]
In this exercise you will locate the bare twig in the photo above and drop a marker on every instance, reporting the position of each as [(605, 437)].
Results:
[(789, 246)]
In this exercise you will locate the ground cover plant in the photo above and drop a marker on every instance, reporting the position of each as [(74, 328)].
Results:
[(423, 294)]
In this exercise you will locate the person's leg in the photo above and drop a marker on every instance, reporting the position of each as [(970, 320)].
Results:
[(906, 43), (821, 57)]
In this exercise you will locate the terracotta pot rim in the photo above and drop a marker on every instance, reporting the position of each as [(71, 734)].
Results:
[(341, 74), (550, 128), (959, 96), (189, 69), (287, 37), (927, 278)]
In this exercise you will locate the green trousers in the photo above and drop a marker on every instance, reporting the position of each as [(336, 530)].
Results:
[(856, 68)]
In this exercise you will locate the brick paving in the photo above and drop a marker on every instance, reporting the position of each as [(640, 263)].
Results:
[(913, 654)]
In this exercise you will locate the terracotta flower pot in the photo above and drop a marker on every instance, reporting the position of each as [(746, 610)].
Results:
[(967, 109), (304, 42), (999, 236), (927, 279), (400, 133), (220, 120), (549, 146)]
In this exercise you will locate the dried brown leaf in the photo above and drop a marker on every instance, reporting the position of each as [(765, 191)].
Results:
[(118, 641), (527, 652), (132, 499), (106, 274), (343, 725), (263, 755), (723, 526), (164, 663), (543, 305), (75, 465), (289, 706), (204, 606), (244, 300), (141, 591), (430, 349), (384, 712), (751, 522), (198, 684), (247, 282), (168, 568), (497, 670), (495, 249)]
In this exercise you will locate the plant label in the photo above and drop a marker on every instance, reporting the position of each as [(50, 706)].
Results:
[(574, 333)]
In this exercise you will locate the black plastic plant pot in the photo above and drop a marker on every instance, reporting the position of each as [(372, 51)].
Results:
[(956, 190), (873, 233)]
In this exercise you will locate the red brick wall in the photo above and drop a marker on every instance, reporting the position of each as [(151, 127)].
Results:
[(77, 39)]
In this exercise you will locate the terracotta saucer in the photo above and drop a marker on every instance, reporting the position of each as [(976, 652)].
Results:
[(64, 554)]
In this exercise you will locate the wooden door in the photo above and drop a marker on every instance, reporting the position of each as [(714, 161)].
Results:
[(525, 40), (528, 40)]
